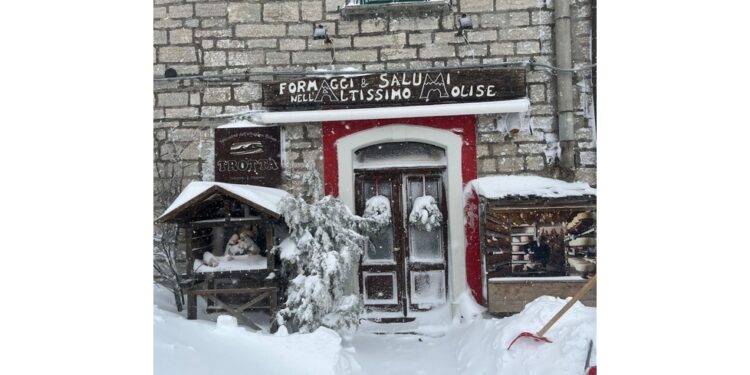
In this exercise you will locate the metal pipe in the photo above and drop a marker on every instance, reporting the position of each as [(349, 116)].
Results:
[(563, 58)]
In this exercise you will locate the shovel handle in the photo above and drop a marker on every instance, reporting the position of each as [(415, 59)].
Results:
[(567, 306)]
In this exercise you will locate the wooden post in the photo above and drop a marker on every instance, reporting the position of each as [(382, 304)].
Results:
[(192, 306), (189, 258), (269, 245)]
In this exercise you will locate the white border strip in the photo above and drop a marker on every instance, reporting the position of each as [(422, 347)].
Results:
[(505, 106)]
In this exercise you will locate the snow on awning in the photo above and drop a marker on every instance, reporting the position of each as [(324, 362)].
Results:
[(240, 124), (495, 187), (504, 106), (264, 198)]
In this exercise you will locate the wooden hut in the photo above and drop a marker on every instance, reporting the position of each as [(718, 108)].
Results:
[(210, 214), (537, 237)]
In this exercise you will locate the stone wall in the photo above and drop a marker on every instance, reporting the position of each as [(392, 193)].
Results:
[(200, 37)]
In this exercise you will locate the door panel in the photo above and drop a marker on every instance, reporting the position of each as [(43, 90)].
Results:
[(381, 279), (403, 267), (427, 267)]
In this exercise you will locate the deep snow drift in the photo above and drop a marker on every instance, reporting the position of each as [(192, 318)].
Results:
[(469, 345)]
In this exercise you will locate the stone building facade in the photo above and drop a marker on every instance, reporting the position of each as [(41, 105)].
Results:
[(205, 38)]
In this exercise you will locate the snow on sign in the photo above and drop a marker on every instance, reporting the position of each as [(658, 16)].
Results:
[(248, 155), (427, 87)]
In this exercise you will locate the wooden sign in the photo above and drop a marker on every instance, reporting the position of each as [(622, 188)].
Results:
[(388, 89), (250, 155)]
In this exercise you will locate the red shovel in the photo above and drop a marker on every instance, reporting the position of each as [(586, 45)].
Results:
[(539, 336)]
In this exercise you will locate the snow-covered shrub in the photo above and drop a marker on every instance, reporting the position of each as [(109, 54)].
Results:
[(327, 250), (425, 214), (378, 209)]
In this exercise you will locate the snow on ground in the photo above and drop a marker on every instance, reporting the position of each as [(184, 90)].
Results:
[(468, 345)]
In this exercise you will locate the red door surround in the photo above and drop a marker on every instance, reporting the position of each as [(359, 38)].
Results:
[(464, 126)]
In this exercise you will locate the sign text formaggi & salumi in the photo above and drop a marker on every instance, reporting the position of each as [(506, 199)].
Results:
[(371, 90)]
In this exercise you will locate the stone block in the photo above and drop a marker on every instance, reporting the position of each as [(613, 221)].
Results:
[(526, 33), (376, 25), (301, 29), (160, 12), (347, 28), (494, 20), (447, 37), (181, 36), (294, 132), (531, 148), (433, 51), (172, 99), (243, 12), (213, 33), (518, 18), (192, 23), (398, 39), (414, 23), (311, 57), (177, 54), (217, 94), (503, 5), (510, 164), (208, 23), (587, 175), (334, 5), (180, 11), (504, 149), (311, 10), (483, 151), (280, 12), (211, 9), (587, 158), (261, 30), (211, 110), (214, 58), (482, 36), (542, 17), (416, 39), (503, 49), (476, 5), (244, 58), (277, 58), (167, 24), (230, 44), (248, 92), (363, 55), (261, 43), (535, 163), (398, 53), (544, 123), (537, 93), (487, 165), (231, 109), (181, 112), (292, 44), (584, 134), (160, 37), (472, 50), (195, 98), (527, 48), (207, 43)]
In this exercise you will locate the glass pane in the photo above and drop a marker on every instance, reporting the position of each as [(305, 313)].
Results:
[(424, 246), (427, 287), (379, 247)]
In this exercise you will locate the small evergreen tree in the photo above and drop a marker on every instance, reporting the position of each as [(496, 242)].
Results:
[(328, 246)]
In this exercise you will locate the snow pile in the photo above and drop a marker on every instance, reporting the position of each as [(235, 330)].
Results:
[(482, 345), (192, 347), (425, 213), (235, 263), (378, 208), (494, 187)]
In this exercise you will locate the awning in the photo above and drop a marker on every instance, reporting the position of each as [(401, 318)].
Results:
[(505, 106)]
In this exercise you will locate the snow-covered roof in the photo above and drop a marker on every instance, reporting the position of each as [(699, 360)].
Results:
[(263, 197), (494, 187)]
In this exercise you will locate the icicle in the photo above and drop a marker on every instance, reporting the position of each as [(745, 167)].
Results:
[(377, 185), (424, 189)]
